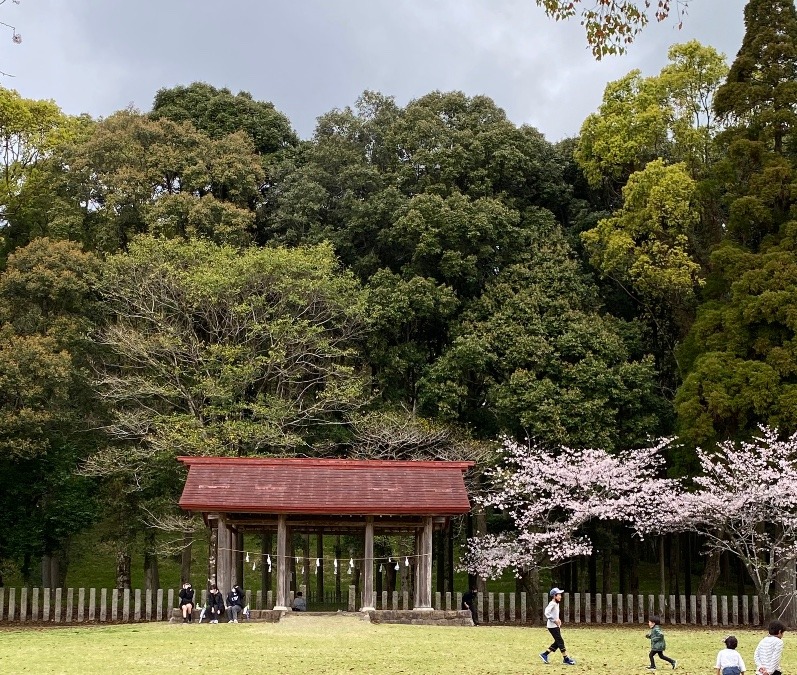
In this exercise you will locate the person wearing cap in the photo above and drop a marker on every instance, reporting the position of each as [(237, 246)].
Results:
[(554, 624), (729, 661)]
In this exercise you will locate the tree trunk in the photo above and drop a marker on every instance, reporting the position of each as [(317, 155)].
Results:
[(186, 557), (151, 576), (688, 566), (662, 568), (711, 573), (481, 529), (633, 567), (123, 567), (592, 566), (529, 581), (784, 600), (607, 571), (450, 557)]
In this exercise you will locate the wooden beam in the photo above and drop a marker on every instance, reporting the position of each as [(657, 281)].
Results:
[(424, 578)]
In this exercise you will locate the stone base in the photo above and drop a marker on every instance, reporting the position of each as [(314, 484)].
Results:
[(259, 615), (435, 617)]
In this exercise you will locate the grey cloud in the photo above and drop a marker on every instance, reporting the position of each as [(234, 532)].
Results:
[(309, 56)]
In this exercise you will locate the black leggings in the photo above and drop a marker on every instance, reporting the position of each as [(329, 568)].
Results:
[(558, 642), (660, 652)]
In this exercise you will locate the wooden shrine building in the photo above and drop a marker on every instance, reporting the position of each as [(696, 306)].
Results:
[(323, 496)]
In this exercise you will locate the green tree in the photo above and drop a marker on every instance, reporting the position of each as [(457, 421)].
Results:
[(534, 356), (740, 369), (219, 113), (215, 350), (131, 175), (47, 407)]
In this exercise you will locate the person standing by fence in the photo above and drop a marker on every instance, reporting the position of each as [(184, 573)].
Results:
[(769, 651), (469, 603), (554, 624)]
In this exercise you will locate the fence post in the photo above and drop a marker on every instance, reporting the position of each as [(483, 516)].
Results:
[(92, 604), (620, 614), (114, 604), (45, 604), (438, 600), (34, 605), (23, 604), (567, 607), (703, 610), (756, 622), (577, 607), (126, 605), (405, 599), (640, 615), (137, 606), (651, 607), (57, 608), (724, 610), (609, 610), (587, 608), (170, 603), (351, 606), (490, 606), (159, 606), (683, 609), (269, 599), (259, 600), (662, 609), (692, 609), (448, 600), (103, 605), (598, 608), (629, 601), (12, 602), (147, 604), (81, 603), (70, 603), (523, 607), (714, 610), (745, 611), (2, 601), (512, 607), (735, 610)]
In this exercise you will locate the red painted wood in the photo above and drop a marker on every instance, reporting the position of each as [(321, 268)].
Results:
[(324, 486)]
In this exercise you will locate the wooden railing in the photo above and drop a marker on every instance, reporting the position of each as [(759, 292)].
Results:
[(81, 605)]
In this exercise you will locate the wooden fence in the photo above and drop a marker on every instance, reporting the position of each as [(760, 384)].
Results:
[(69, 605)]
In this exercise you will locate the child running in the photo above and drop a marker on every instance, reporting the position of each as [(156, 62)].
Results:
[(657, 643), (729, 661), (554, 624)]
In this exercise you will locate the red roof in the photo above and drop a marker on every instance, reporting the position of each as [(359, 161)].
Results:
[(324, 486)]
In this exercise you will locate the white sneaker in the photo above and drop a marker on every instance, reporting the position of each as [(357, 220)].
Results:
[(230, 621), (214, 621), (235, 620)]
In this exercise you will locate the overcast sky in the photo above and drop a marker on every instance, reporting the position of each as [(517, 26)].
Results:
[(310, 56)]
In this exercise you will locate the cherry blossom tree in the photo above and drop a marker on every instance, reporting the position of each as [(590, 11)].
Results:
[(746, 504), (551, 495)]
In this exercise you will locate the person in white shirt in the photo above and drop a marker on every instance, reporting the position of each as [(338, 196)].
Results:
[(554, 624), (729, 661), (770, 649)]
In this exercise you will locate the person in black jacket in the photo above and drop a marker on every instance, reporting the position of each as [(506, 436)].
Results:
[(187, 602), (469, 602), (215, 606), (235, 603)]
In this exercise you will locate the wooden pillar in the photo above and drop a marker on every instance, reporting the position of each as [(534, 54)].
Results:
[(224, 558), (213, 550), (282, 563), (238, 559), (367, 603), (450, 557), (424, 578)]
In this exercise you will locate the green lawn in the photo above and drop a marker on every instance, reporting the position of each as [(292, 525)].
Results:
[(339, 644)]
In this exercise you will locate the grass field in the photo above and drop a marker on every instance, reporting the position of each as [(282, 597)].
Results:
[(346, 644)]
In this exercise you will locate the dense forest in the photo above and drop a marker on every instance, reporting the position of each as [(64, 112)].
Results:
[(411, 282)]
